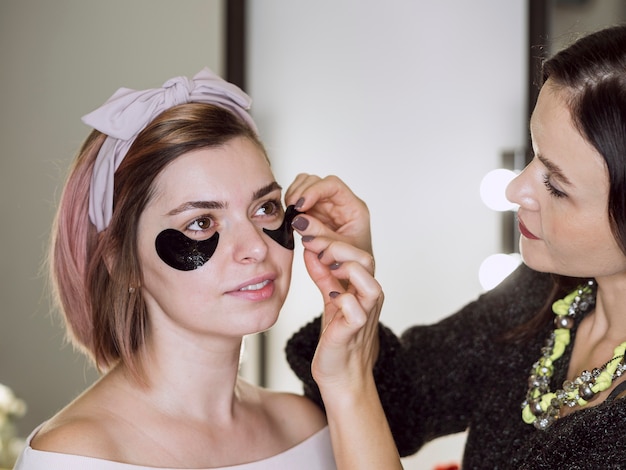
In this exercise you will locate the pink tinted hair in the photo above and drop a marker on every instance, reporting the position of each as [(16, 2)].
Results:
[(96, 277), (72, 234)]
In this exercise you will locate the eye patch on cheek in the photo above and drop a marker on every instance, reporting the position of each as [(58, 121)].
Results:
[(283, 235), (183, 253)]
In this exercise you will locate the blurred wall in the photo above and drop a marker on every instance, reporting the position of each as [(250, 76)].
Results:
[(570, 19), (59, 60)]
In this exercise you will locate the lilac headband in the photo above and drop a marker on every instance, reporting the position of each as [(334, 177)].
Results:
[(128, 112)]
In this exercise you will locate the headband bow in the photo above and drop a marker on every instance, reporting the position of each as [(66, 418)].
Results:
[(123, 116)]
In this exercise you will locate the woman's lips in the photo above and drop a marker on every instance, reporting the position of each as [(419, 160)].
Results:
[(525, 232), (256, 289)]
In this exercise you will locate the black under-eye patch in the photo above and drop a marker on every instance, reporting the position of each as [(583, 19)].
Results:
[(183, 253)]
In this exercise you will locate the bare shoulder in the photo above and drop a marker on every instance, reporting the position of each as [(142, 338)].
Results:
[(295, 413), (301, 405), (86, 427), (77, 435)]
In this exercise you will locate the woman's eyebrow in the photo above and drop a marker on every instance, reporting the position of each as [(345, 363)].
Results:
[(212, 205), (554, 169), (265, 190), (190, 205)]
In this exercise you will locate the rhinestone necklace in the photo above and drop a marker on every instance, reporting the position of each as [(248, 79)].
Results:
[(542, 407)]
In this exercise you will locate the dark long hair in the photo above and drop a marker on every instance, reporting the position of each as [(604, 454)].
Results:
[(592, 73)]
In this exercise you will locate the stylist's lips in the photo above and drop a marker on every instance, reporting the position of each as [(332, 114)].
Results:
[(525, 232)]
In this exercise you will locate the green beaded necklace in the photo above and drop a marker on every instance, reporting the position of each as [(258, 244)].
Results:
[(542, 407)]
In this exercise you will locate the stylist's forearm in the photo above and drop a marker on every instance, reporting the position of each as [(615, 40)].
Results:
[(361, 436)]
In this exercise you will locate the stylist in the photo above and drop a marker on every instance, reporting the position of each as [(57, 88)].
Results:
[(534, 369)]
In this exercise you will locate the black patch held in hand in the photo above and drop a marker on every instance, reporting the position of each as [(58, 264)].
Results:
[(283, 235)]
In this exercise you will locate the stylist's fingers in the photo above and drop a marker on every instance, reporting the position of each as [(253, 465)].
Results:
[(331, 202), (297, 189), (360, 281), (340, 268), (347, 324), (352, 232), (355, 314), (309, 190), (333, 253), (323, 258), (348, 344)]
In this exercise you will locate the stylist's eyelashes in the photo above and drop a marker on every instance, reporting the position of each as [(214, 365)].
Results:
[(300, 223)]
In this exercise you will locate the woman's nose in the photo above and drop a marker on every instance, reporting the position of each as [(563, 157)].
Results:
[(249, 243), (521, 191)]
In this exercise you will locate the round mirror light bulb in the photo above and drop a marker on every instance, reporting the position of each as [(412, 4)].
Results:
[(496, 267), (493, 187)]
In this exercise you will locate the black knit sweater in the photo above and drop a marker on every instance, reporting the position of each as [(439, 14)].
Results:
[(459, 375)]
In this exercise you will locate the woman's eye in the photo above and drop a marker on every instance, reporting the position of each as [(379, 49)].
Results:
[(270, 208), (551, 189), (200, 224)]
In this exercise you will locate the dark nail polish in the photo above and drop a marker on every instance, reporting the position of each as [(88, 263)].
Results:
[(333, 294), (308, 238), (300, 223), (335, 266), (300, 203), (320, 254)]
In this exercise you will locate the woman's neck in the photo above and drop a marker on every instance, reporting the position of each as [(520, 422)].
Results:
[(192, 377), (608, 321)]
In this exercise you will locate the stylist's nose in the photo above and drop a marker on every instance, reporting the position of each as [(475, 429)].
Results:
[(520, 190), (248, 242)]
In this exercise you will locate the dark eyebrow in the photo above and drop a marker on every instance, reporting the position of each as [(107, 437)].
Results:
[(265, 190), (554, 169), (187, 206), (212, 205)]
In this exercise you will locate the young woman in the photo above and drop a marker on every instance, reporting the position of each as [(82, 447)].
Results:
[(534, 370), (170, 245)]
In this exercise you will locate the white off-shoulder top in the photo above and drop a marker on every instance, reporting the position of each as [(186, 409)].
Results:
[(314, 453)]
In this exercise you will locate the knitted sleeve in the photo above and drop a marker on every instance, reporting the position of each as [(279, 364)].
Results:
[(429, 379)]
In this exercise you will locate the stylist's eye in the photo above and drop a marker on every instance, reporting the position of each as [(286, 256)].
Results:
[(551, 189), (200, 224)]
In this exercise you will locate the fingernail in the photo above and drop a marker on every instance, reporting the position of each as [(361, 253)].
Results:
[(300, 223), (333, 294), (335, 266), (320, 254), (307, 238), (300, 203)]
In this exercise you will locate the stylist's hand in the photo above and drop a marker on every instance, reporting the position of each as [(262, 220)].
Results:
[(332, 210), (353, 299), (345, 355), (338, 256), (335, 230)]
